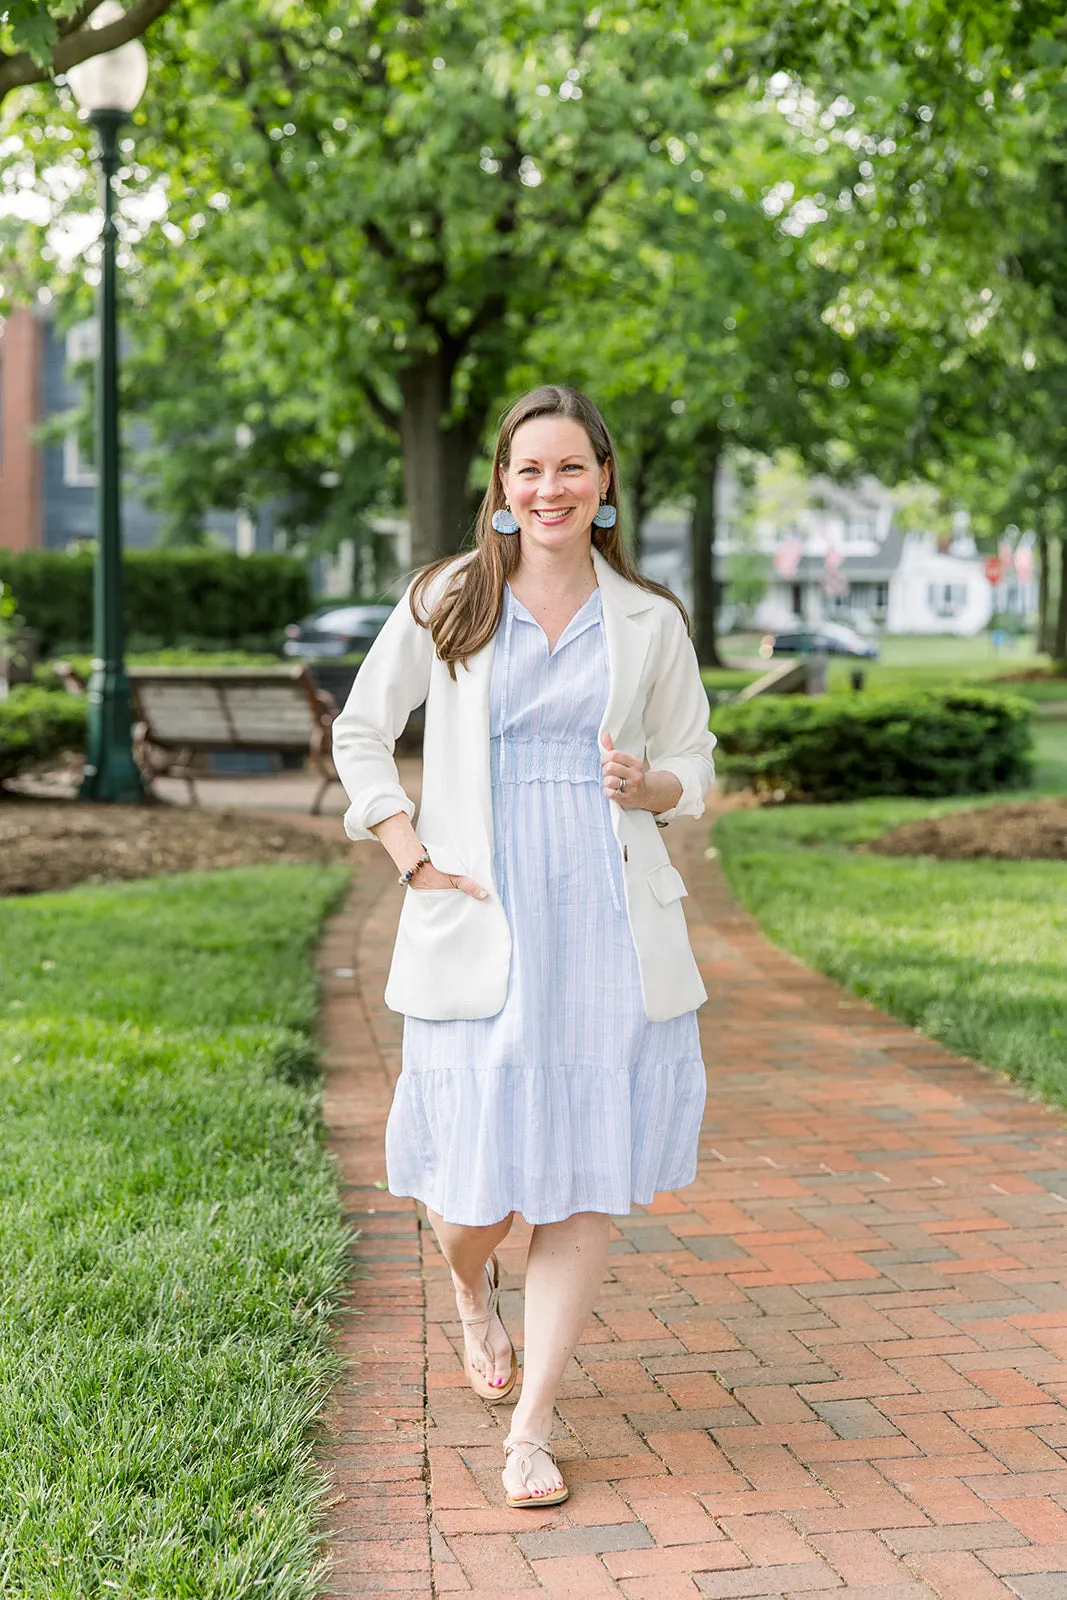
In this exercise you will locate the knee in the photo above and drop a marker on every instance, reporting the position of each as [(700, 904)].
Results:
[(459, 1234)]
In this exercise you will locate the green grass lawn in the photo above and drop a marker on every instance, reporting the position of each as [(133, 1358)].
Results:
[(972, 952), (1050, 758), (909, 661), (917, 662), (172, 1238)]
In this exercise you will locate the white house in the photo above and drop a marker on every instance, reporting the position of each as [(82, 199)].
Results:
[(843, 558), (934, 591), (905, 585)]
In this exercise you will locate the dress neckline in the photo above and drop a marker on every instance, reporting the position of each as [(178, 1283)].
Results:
[(577, 624)]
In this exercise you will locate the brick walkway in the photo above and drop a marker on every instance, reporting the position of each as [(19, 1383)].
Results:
[(835, 1364)]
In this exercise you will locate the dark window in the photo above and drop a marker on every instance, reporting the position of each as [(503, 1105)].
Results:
[(946, 599)]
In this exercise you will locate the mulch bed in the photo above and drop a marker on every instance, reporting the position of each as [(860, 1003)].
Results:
[(1033, 675), (1032, 830), (55, 844)]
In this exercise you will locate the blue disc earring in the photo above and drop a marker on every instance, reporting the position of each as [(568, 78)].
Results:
[(605, 515), (506, 521)]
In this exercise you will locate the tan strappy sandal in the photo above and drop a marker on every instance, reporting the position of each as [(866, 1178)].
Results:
[(524, 1449), (478, 1382)]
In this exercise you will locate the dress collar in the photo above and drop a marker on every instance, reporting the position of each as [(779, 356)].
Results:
[(587, 616)]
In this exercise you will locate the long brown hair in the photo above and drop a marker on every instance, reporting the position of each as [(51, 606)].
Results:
[(466, 616)]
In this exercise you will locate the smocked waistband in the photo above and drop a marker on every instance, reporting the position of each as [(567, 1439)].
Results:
[(544, 760)]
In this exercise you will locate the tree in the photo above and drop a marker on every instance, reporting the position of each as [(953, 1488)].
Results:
[(371, 211), (419, 177), (411, 181), (710, 338), (236, 433), (39, 40), (966, 233)]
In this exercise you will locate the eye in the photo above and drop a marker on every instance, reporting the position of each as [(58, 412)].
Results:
[(524, 470), (574, 466)]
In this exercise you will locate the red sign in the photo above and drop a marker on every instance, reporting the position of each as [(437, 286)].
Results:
[(993, 570)]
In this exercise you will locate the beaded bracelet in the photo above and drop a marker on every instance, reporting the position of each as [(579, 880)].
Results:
[(405, 877)]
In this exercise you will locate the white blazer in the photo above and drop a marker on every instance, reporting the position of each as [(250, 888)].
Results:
[(453, 953)]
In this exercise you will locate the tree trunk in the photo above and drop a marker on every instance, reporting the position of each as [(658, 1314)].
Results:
[(640, 495), (707, 589), (437, 461), (1042, 639), (1059, 641)]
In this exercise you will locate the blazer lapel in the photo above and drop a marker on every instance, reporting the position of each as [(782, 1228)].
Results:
[(473, 685), (627, 638)]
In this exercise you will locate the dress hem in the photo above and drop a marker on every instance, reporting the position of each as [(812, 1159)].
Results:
[(643, 1199)]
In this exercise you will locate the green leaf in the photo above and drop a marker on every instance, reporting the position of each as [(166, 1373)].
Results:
[(32, 28)]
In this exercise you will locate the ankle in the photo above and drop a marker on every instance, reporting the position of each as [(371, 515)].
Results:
[(477, 1291), (531, 1425)]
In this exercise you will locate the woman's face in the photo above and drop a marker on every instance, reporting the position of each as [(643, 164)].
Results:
[(553, 482)]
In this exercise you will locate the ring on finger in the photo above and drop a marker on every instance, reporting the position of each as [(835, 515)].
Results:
[(622, 786)]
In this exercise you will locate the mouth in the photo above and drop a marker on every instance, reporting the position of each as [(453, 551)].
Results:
[(551, 518)]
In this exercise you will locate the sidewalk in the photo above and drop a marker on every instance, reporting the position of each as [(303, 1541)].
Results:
[(833, 1365)]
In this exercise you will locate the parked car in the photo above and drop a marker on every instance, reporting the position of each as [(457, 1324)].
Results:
[(335, 631), (832, 638)]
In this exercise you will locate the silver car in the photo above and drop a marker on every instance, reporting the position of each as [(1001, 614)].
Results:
[(335, 631)]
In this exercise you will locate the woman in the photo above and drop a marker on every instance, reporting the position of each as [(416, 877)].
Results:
[(551, 1058)]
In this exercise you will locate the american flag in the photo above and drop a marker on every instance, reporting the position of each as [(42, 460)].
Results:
[(834, 582), (787, 556)]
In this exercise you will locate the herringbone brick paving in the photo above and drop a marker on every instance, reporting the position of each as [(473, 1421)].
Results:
[(835, 1364)]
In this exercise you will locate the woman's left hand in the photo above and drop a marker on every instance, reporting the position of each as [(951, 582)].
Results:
[(624, 777)]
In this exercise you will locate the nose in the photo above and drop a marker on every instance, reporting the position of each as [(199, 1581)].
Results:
[(553, 486)]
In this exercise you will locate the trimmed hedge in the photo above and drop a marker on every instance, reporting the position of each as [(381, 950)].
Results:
[(37, 725), (848, 747), (210, 598)]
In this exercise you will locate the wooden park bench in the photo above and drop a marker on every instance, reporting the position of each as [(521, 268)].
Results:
[(183, 712)]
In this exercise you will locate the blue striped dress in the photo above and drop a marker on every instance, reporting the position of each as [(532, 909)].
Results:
[(569, 1099)]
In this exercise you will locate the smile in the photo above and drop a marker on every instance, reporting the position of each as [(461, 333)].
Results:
[(553, 516)]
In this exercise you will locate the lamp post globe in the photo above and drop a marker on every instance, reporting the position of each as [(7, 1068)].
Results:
[(108, 87)]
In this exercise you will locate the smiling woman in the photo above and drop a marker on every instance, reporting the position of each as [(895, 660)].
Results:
[(551, 1056), (554, 468)]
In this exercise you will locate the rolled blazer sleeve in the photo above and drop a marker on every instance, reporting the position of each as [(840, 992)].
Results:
[(678, 739), (393, 679)]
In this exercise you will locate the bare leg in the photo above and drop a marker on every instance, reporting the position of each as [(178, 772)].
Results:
[(467, 1250), (564, 1272)]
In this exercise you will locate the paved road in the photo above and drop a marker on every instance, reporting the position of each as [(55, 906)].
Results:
[(836, 1364)]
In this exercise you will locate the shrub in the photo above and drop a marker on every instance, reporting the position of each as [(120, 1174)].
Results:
[(45, 673), (37, 725), (927, 743), (212, 598)]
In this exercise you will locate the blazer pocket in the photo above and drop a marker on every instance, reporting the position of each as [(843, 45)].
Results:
[(667, 884), (446, 861)]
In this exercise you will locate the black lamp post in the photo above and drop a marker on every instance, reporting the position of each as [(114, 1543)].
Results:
[(108, 87)]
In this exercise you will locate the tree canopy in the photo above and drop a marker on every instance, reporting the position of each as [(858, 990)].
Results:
[(385, 200), (762, 227)]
